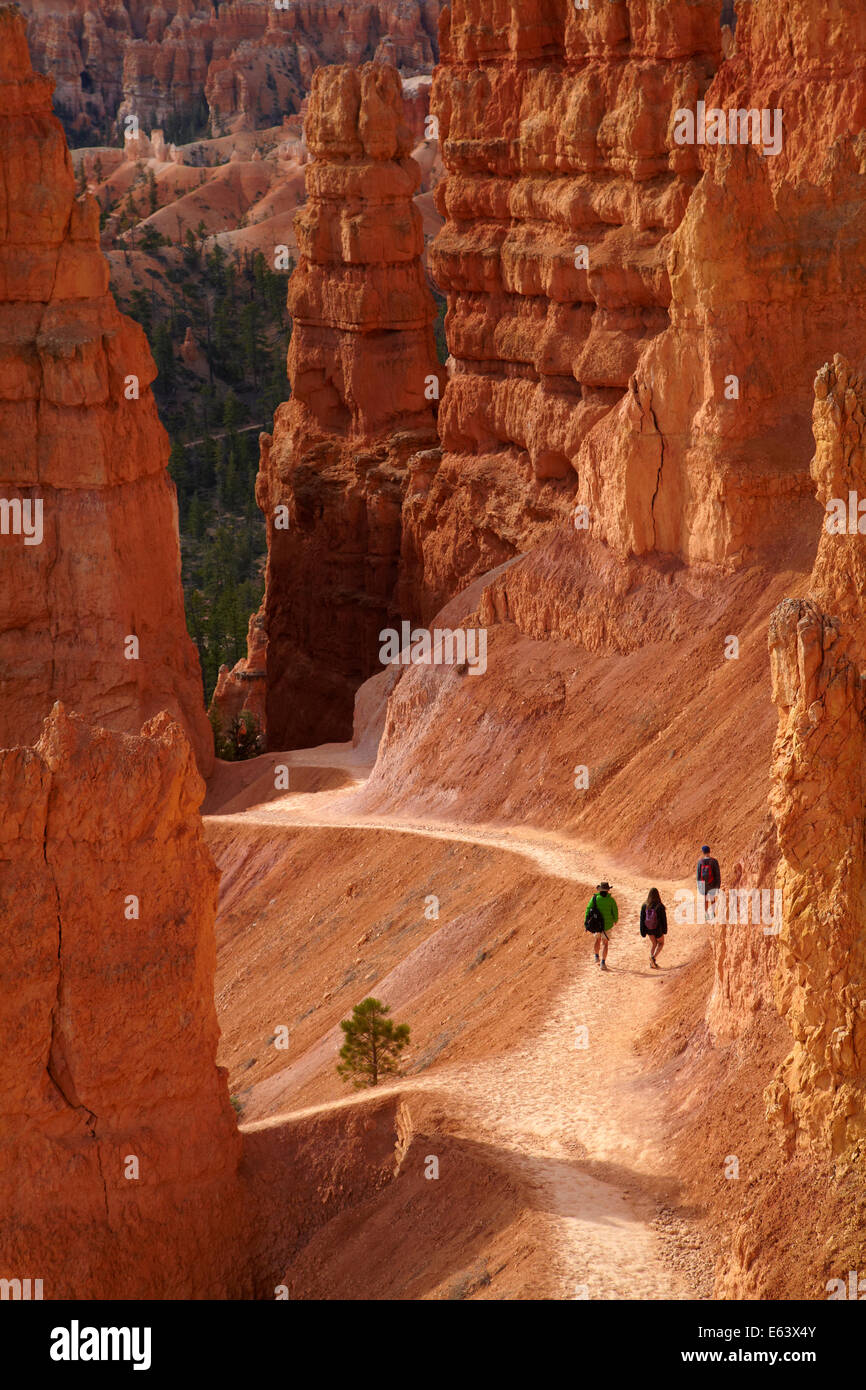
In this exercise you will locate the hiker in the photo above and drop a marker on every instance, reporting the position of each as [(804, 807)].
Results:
[(601, 915), (654, 924), (709, 881)]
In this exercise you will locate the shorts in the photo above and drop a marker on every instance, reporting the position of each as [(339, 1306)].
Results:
[(606, 930)]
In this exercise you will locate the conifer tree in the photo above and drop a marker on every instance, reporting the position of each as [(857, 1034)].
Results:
[(373, 1044)]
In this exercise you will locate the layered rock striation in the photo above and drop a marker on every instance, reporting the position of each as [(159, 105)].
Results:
[(636, 311), (364, 378), (119, 1148), (91, 610), (561, 198), (705, 456)]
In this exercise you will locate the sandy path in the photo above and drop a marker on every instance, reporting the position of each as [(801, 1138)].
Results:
[(570, 1106)]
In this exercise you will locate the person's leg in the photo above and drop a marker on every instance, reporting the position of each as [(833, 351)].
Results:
[(660, 945), (595, 935), (711, 904), (603, 939)]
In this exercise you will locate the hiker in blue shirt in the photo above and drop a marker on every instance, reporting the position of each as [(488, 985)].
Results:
[(600, 917)]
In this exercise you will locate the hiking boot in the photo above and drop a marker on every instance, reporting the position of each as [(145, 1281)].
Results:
[(603, 964), (596, 960)]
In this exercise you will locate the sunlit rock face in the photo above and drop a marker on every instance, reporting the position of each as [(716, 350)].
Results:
[(119, 1148), (91, 607), (818, 653)]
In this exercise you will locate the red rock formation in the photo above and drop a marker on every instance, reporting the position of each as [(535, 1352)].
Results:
[(242, 687), (83, 440), (82, 49), (818, 651), (252, 61), (765, 287), (561, 198), (361, 364), (192, 355), (119, 1153)]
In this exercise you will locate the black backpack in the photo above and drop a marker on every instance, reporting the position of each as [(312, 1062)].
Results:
[(594, 920)]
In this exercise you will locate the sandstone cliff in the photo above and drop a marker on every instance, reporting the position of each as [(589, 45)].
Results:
[(119, 1149), (363, 373), (705, 457), (91, 609), (818, 650), (561, 198)]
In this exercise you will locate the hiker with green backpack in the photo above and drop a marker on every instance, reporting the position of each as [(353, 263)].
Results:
[(600, 917)]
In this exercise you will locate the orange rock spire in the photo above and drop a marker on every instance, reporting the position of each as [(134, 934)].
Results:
[(91, 609), (364, 374)]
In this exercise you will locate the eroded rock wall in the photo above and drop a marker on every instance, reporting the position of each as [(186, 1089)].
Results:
[(118, 1145), (91, 609), (818, 654), (363, 368), (705, 456), (561, 197), (250, 61)]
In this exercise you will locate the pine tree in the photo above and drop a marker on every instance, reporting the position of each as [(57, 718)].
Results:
[(196, 518), (231, 411), (373, 1044), (163, 356)]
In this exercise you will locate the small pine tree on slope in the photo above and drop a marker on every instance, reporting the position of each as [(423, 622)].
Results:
[(373, 1044)]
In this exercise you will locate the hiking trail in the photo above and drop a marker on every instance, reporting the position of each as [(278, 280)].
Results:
[(579, 1123)]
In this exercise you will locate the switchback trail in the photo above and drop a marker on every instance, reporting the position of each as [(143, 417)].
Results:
[(569, 1105)]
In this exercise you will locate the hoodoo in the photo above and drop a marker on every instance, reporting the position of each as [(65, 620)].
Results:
[(93, 614), (364, 376), (246, 64)]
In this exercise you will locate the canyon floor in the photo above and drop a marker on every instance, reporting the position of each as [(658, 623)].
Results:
[(566, 1126)]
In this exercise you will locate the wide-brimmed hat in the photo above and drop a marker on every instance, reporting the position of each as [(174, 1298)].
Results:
[(600, 886)]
